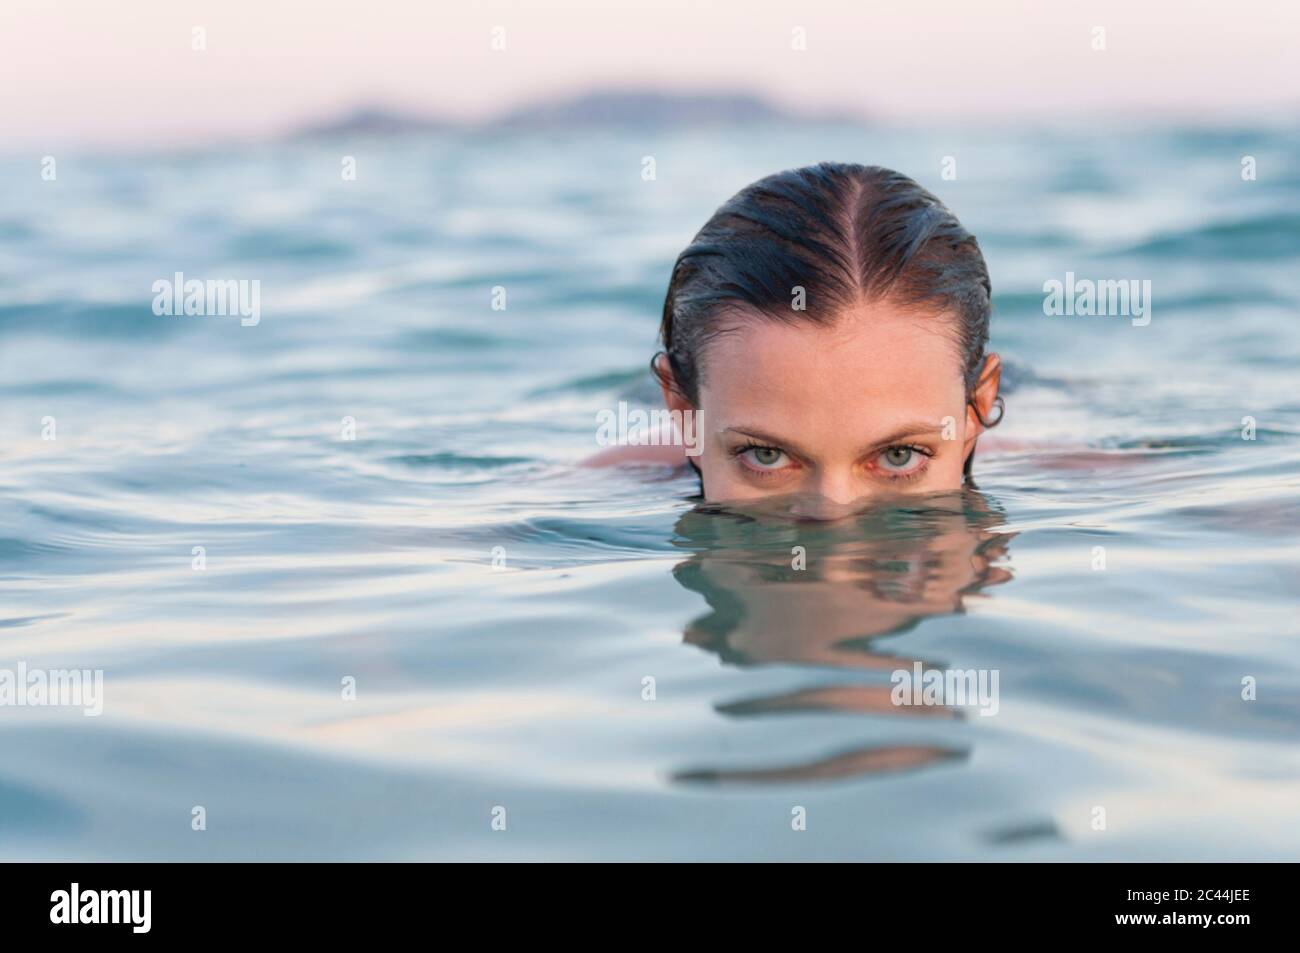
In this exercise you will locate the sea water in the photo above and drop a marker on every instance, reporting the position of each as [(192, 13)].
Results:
[(351, 597)]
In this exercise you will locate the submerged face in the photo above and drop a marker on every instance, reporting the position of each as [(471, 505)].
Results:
[(826, 418)]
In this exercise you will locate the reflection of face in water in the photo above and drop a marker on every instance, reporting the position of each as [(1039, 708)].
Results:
[(825, 594)]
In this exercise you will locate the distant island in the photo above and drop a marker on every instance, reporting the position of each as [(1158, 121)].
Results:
[(594, 109), (373, 121)]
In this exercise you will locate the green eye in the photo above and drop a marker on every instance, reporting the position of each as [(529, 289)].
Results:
[(765, 458), (897, 457)]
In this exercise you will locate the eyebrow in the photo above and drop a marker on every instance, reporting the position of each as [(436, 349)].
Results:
[(917, 429)]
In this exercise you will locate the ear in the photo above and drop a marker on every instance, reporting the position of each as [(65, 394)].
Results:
[(983, 400), (674, 398)]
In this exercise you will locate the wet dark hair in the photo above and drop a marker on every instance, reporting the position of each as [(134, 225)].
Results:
[(844, 233)]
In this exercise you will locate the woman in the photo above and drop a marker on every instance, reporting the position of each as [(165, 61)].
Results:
[(824, 340)]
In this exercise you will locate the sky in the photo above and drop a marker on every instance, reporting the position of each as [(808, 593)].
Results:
[(126, 72)]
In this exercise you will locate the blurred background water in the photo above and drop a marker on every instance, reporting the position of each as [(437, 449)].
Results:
[(521, 685)]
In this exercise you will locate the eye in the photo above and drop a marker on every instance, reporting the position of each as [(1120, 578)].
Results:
[(901, 460), (764, 458), (897, 457)]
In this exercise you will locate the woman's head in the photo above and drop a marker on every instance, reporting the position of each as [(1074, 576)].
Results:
[(828, 325)]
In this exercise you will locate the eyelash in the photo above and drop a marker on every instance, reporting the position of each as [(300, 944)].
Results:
[(923, 451), (740, 451)]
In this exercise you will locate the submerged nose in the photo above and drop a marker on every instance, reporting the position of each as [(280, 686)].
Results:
[(819, 506)]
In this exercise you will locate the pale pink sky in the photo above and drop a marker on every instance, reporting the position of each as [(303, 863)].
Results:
[(97, 71)]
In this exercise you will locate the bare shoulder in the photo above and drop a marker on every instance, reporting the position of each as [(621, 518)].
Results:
[(1058, 455)]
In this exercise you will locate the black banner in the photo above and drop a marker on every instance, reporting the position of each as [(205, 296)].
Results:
[(89, 902)]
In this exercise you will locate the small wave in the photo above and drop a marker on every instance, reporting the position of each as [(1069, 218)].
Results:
[(84, 319), (621, 381), (261, 245), (1261, 237), (458, 461)]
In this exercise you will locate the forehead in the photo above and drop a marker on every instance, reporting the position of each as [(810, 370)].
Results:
[(876, 367)]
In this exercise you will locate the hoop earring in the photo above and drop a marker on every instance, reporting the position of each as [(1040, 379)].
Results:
[(999, 404), (654, 361)]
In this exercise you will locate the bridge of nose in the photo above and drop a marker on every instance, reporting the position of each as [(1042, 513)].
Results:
[(822, 505)]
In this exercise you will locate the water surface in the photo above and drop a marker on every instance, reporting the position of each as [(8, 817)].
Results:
[(501, 610)]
